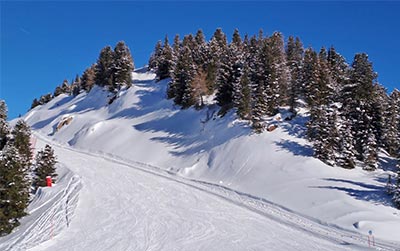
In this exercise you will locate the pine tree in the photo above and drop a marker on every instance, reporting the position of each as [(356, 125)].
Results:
[(181, 88), (217, 49), (45, 166), (200, 51), (324, 133), (105, 67), (345, 156), (123, 67), (229, 73), (88, 78), (380, 102), (35, 103), (360, 109), (153, 61), (259, 108), (311, 78), (244, 104), (76, 86), (279, 69), (14, 189), (294, 59), (4, 128), (21, 138), (44, 99), (339, 72), (392, 135), (165, 61), (64, 88)]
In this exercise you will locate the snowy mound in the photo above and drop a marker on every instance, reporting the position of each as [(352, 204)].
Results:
[(141, 126)]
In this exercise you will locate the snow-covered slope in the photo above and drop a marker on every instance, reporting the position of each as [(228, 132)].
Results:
[(142, 128)]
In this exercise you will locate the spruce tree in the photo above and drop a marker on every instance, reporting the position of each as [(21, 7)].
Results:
[(45, 166), (76, 86), (105, 67), (339, 72), (4, 128), (294, 59), (88, 78), (165, 61), (392, 135), (360, 109), (153, 61), (181, 88), (35, 103), (14, 188), (279, 69), (345, 153), (311, 78), (123, 67), (21, 141), (244, 104)]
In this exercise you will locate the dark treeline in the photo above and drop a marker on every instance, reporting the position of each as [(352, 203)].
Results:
[(351, 115), (20, 174), (112, 70)]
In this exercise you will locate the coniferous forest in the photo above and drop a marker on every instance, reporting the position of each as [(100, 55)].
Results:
[(351, 116)]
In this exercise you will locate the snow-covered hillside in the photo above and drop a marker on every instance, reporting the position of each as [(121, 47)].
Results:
[(318, 206)]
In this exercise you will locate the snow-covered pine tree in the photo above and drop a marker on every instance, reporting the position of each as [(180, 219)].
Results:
[(123, 67), (105, 67), (339, 72), (44, 166), (21, 141), (324, 133), (380, 102), (35, 103), (345, 154), (64, 88), (45, 98), (200, 53), (76, 86), (244, 104), (181, 87), (229, 74), (217, 49), (311, 77), (361, 110), (279, 68), (294, 59), (165, 61), (4, 127), (88, 78), (153, 61), (14, 188), (392, 135), (259, 108)]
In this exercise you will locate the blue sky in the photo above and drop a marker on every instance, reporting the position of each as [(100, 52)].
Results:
[(43, 43)]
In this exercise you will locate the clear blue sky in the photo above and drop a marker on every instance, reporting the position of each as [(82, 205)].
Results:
[(43, 43)]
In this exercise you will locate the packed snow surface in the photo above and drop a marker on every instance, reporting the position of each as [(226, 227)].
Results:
[(156, 177)]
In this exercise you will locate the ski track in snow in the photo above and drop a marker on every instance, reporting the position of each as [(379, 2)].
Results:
[(126, 205)]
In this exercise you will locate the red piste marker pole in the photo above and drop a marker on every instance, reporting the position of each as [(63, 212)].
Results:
[(49, 182)]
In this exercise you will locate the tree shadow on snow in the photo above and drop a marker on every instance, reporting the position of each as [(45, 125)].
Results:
[(193, 131), (296, 127), (295, 148), (366, 192)]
